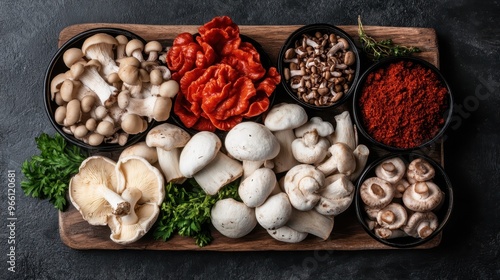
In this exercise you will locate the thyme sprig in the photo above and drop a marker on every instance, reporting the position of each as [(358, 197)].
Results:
[(376, 50)]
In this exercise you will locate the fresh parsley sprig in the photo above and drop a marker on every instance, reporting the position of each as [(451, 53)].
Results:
[(47, 175), (186, 211), (376, 50)]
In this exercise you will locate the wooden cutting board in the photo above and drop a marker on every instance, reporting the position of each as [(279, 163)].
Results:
[(347, 233)]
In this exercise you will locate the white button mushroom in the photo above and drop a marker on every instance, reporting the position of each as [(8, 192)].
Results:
[(421, 224), (423, 196), (311, 148), (287, 234), (274, 212), (202, 159), (256, 188), (341, 160), (303, 183), (281, 120), (344, 131), (336, 196), (168, 139), (232, 218), (376, 192), (253, 144), (391, 170)]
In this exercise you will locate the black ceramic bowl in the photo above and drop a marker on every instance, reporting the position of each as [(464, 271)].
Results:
[(266, 63), (361, 121), (443, 211), (311, 30), (57, 66)]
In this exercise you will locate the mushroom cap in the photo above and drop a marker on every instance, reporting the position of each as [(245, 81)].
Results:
[(422, 196), (199, 151), (310, 148), (152, 46), (167, 137), (255, 189), (392, 170), (393, 216), (162, 108), (251, 141), (169, 88), (302, 184), (420, 170), (336, 197), (141, 149), (323, 128), (232, 218), (99, 38), (133, 45), (287, 234), (376, 192), (275, 212), (71, 56), (285, 116), (133, 124), (129, 74), (421, 224), (93, 171)]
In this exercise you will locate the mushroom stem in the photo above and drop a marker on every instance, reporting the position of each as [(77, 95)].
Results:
[(249, 167), (344, 131), (93, 80), (132, 196), (311, 222), (284, 160), (361, 154), (119, 205), (169, 164), (221, 171)]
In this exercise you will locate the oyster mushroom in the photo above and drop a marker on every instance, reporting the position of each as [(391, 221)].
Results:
[(144, 190), (95, 191)]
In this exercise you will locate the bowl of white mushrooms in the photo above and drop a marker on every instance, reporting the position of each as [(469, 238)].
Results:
[(404, 200), (106, 87)]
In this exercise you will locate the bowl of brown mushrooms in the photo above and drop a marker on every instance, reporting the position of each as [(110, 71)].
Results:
[(404, 200), (106, 87), (319, 66)]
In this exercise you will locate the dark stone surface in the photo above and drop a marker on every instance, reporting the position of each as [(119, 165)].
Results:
[(469, 39)]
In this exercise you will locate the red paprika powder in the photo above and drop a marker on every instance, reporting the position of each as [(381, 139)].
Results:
[(403, 104)]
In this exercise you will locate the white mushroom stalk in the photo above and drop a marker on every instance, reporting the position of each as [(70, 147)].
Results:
[(311, 222), (341, 160), (344, 131), (336, 196), (96, 83), (152, 107), (361, 154)]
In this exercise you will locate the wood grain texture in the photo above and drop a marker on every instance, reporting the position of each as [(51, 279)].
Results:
[(347, 233)]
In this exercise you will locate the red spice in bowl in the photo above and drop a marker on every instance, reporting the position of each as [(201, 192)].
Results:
[(402, 103)]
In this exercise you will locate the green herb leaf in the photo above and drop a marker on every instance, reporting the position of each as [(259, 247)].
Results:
[(375, 50), (186, 211), (46, 176)]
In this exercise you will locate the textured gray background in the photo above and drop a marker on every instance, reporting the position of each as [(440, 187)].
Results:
[(469, 40)]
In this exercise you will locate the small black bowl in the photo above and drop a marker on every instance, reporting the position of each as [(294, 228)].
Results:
[(266, 63), (57, 66), (443, 211), (359, 119), (310, 30)]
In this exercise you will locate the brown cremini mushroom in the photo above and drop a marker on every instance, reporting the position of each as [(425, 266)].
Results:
[(420, 170), (421, 224), (423, 196), (391, 170), (392, 216), (376, 192)]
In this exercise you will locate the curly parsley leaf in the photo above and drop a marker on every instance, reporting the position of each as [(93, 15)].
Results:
[(47, 175), (186, 211)]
